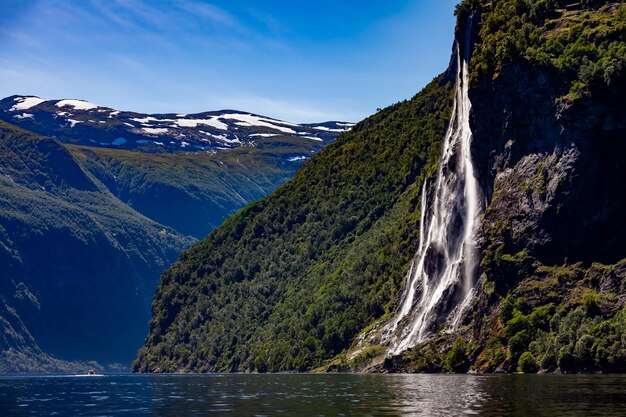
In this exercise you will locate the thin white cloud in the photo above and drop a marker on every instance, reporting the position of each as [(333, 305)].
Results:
[(145, 12), (271, 23), (210, 12)]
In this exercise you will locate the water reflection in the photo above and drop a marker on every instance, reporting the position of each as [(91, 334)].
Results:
[(314, 395)]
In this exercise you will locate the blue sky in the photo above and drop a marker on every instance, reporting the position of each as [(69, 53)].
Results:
[(295, 60)]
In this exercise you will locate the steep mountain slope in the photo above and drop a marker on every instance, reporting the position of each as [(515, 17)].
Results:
[(288, 282), (80, 122), (78, 266), (291, 281)]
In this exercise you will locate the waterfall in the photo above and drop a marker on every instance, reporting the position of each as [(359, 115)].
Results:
[(441, 278)]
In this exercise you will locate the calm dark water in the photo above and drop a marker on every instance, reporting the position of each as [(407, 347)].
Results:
[(314, 395)]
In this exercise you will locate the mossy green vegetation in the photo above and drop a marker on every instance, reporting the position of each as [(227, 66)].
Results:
[(456, 359), (581, 329), (289, 281), (583, 41), (527, 363)]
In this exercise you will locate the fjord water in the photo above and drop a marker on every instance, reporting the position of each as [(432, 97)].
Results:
[(444, 268), (314, 395)]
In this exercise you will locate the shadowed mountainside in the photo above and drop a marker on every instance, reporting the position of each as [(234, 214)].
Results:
[(79, 267)]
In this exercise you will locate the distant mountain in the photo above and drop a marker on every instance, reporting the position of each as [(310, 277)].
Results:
[(93, 211), (189, 172), (77, 266), (195, 192), (80, 122)]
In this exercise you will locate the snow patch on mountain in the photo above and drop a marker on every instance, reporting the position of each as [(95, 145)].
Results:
[(73, 122), (24, 116), (155, 130), (77, 104), (149, 119), (327, 129), (251, 120), (265, 135), (23, 103), (227, 140), (214, 122)]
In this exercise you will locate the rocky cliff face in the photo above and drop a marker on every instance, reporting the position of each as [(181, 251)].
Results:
[(552, 171), (551, 167)]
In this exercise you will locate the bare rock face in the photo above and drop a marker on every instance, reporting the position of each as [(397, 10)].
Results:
[(551, 172)]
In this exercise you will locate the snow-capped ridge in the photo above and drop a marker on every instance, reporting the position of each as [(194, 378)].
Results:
[(82, 122), (252, 120)]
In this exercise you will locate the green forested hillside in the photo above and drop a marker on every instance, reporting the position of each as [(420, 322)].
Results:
[(287, 282)]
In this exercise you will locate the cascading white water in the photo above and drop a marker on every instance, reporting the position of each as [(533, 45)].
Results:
[(443, 270)]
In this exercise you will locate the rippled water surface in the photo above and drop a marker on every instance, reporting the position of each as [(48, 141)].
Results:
[(314, 395)]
